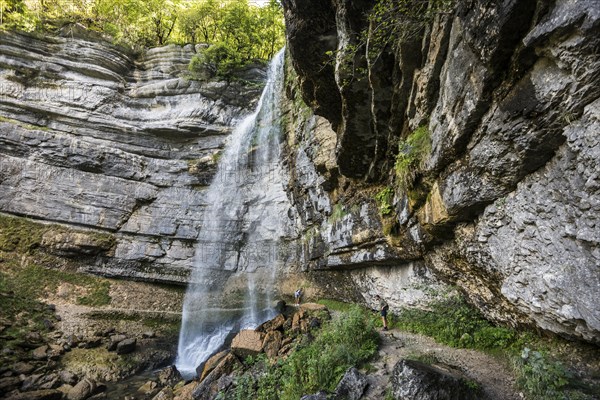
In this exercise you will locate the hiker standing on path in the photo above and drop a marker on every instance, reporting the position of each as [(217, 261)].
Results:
[(298, 296), (383, 310)]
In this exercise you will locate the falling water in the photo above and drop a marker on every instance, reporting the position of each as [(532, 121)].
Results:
[(237, 252)]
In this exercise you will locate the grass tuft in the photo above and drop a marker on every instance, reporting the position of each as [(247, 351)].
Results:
[(412, 154)]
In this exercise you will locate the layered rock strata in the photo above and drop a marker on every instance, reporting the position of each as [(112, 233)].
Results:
[(99, 139)]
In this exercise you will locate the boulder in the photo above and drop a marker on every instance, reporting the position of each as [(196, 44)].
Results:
[(352, 386), (49, 325), (271, 325), (185, 392), (68, 377), (84, 389), (298, 316), (211, 364), (92, 343), (165, 394), (8, 384), (149, 389), (285, 349), (209, 386), (55, 351), (114, 341), (224, 383), (50, 381), (169, 376), (33, 337), (72, 341), (31, 382), (40, 353), (272, 343), (126, 346), (413, 380), (22, 368), (107, 332), (247, 343)]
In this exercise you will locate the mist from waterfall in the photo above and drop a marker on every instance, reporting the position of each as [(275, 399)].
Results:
[(238, 247)]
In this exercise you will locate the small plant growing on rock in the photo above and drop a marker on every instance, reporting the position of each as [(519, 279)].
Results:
[(412, 154), (384, 199), (337, 213)]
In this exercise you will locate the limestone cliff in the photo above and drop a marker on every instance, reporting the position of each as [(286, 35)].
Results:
[(98, 139), (506, 202)]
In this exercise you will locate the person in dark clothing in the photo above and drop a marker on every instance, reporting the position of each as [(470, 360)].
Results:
[(383, 310)]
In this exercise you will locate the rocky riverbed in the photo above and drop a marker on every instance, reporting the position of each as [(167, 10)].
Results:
[(70, 335)]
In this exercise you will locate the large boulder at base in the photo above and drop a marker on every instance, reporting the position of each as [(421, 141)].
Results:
[(272, 324), (50, 394), (126, 346), (68, 377), (22, 368), (272, 343), (247, 343), (185, 392), (413, 380), (149, 389), (169, 376), (209, 386), (352, 386), (84, 389), (40, 353), (9, 383), (114, 342), (204, 369), (165, 394)]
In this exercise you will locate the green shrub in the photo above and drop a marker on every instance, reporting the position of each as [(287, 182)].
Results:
[(384, 199), (337, 213), (454, 322), (412, 154), (217, 60), (541, 377), (346, 341)]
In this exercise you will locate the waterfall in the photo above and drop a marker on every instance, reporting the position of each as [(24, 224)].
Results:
[(237, 252)]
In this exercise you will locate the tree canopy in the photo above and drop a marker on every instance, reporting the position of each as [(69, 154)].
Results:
[(239, 31)]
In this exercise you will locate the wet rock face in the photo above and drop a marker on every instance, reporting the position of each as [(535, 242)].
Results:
[(505, 203), (94, 137)]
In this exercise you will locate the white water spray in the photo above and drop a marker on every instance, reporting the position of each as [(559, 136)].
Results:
[(238, 248)]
